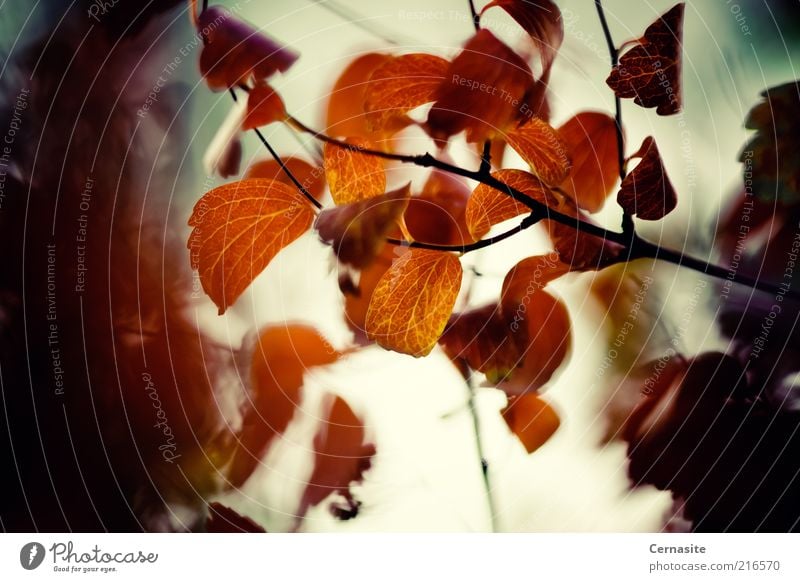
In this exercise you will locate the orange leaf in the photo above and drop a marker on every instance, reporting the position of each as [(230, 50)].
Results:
[(541, 19), (345, 115), (413, 301), (438, 214), (312, 178), (591, 139), (530, 275), (357, 296), (402, 84), (282, 356), (238, 230), (353, 175), (650, 72), (357, 231), (546, 322), (532, 419), (234, 51), (482, 339), (488, 206), (264, 106), (342, 455), (646, 191), (484, 92), (542, 148)]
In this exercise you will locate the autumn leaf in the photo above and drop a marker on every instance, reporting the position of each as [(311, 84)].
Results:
[(400, 85), (579, 250), (530, 275), (283, 354), (484, 92), (234, 52), (413, 301), (771, 158), (545, 321), (264, 106), (650, 72), (646, 191), (358, 294), (438, 214), (591, 140), (312, 178), (519, 342), (488, 206), (223, 519), (341, 456), (345, 115), (238, 229), (353, 175), (541, 19), (531, 419), (543, 149), (482, 339), (357, 231)]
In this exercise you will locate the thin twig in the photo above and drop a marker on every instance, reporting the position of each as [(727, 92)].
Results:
[(476, 427), (476, 17), (627, 220), (284, 167), (486, 158), (527, 222)]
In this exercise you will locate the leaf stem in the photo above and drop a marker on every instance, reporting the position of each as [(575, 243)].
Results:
[(476, 427), (627, 220)]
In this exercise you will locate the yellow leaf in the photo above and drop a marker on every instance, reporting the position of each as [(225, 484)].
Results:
[(353, 175), (413, 301), (238, 230), (402, 84), (543, 149), (488, 206)]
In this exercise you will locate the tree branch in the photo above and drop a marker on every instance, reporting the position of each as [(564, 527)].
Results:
[(635, 246), (476, 427)]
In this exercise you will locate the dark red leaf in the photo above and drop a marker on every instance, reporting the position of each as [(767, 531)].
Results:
[(646, 191)]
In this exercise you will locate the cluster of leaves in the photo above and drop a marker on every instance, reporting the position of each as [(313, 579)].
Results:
[(397, 248)]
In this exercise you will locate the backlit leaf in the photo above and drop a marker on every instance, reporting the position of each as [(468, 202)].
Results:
[(264, 106), (353, 175), (345, 115), (541, 19), (650, 72), (238, 229), (484, 92), (357, 231), (545, 320), (413, 301), (402, 84), (591, 139), (342, 455), (234, 52), (543, 149), (312, 178), (283, 354), (531, 419), (488, 206), (438, 214), (646, 191), (529, 275), (357, 296)]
